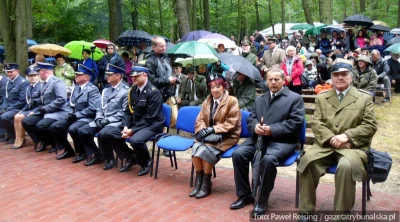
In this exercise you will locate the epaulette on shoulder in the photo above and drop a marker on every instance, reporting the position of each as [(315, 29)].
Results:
[(153, 88), (323, 92), (125, 87), (363, 91)]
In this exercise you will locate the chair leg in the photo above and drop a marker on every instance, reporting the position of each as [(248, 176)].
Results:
[(170, 158), (158, 159), (364, 194), (176, 164), (369, 194), (152, 158), (191, 175), (296, 204), (215, 173)]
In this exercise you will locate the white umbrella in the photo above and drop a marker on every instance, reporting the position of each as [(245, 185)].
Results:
[(395, 31), (229, 44)]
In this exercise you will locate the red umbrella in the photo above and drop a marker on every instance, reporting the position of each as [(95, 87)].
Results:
[(101, 43)]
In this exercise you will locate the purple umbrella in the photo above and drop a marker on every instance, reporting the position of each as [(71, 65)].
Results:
[(194, 36), (215, 36)]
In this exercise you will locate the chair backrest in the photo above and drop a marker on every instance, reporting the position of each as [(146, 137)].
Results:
[(244, 132), (167, 113), (302, 134), (187, 118)]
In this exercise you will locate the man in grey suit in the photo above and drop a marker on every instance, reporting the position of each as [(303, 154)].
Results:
[(283, 114), (14, 100), (82, 106), (52, 107), (273, 57), (113, 102)]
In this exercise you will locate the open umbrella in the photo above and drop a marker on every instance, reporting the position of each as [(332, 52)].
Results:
[(360, 20), (50, 50), (393, 41), (2, 49), (379, 28), (302, 26), (395, 48), (240, 64), (380, 23), (395, 31), (215, 39), (76, 48), (167, 40), (190, 49), (194, 35), (101, 43), (315, 30), (31, 42), (197, 60), (331, 28), (133, 38)]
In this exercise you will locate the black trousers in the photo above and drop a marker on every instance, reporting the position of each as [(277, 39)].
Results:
[(86, 135), (60, 129), (241, 158), (73, 132), (7, 119), (38, 128), (111, 140)]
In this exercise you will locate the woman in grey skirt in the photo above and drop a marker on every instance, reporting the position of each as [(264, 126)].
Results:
[(217, 130)]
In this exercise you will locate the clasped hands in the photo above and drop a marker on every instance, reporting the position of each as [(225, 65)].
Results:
[(126, 132), (203, 133), (102, 122), (340, 142), (263, 130)]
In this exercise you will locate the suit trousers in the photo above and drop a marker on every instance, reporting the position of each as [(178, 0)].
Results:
[(110, 140), (38, 128), (387, 85), (138, 142), (86, 135), (7, 119), (2, 130), (345, 187), (60, 134), (73, 132)]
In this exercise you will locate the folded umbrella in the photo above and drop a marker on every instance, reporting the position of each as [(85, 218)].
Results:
[(50, 50), (240, 64), (76, 48), (256, 164), (133, 38)]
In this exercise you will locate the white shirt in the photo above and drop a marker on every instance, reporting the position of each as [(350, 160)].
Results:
[(275, 92), (194, 88), (13, 80), (344, 92), (177, 86), (142, 87)]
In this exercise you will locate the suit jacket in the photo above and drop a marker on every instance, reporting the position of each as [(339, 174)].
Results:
[(284, 115), (245, 93), (144, 109), (182, 85), (226, 120), (354, 116), (201, 89), (15, 93), (273, 59), (32, 94), (3, 83), (85, 103), (113, 104)]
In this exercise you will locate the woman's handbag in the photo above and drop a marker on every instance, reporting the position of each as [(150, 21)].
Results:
[(379, 164)]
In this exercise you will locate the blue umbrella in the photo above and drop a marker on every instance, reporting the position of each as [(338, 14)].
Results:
[(194, 36), (31, 42), (1, 49), (133, 38)]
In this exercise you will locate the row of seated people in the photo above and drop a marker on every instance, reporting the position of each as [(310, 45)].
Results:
[(344, 126)]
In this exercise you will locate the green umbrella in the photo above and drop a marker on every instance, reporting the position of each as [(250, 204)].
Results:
[(395, 48), (197, 60), (302, 26), (190, 49), (315, 30), (76, 48)]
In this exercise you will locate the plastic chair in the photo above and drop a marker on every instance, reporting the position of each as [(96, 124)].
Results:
[(186, 121)]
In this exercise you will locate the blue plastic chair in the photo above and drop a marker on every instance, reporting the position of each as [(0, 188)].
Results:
[(186, 121)]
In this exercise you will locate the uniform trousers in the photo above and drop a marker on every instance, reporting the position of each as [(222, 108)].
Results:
[(7, 119), (60, 131), (38, 128), (86, 135), (345, 187)]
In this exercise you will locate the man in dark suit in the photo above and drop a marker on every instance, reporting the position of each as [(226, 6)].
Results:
[(13, 102), (142, 120), (3, 82), (82, 106), (283, 114)]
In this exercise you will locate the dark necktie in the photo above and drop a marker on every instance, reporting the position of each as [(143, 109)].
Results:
[(272, 96), (214, 108), (79, 90), (112, 89), (340, 97)]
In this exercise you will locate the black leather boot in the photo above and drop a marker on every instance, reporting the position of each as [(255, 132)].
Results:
[(205, 189), (199, 181)]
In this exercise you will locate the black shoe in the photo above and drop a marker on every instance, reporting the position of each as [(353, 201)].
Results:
[(385, 100), (94, 160), (198, 183), (259, 209), (242, 202), (5, 138), (145, 169), (205, 189), (42, 147), (127, 166), (166, 153), (108, 165), (53, 149), (22, 145), (11, 141), (66, 154), (78, 158)]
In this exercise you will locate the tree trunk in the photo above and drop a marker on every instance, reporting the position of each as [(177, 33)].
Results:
[(258, 22), (189, 12), (21, 25), (6, 29), (206, 10), (307, 12), (374, 4), (240, 21), (194, 15), (283, 17), (354, 6), (161, 18), (135, 15), (29, 19), (325, 11), (115, 19), (182, 16), (362, 6), (270, 17)]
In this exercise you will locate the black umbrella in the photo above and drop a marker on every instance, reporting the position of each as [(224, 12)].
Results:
[(393, 41), (133, 38), (256, 163), (240, 64), (379, 28), (360, 20)]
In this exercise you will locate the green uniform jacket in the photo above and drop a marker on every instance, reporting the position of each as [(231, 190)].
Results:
[(251, 57), (245, 93), (68, 76), (354, 116), (201, 89), (366, 80)]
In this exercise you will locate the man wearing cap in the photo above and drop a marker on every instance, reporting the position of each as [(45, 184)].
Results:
[(82, 106), (272, 58), (3, 82), (365, 76), (246, 52), (195, 91), (344, 124), (52, 107), (13, 102), (108, 116), (142, 120)]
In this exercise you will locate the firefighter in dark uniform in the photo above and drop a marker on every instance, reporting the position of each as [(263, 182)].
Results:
[(82, 106), (143, 119)]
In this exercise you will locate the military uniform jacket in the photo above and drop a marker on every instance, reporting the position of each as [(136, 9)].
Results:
[(144, 109), (354, 116), (245, 93), (85, 103), (3, 82), (366, 80), (32, 94), (15, 93), (200, 84), (53, 98), (112, 105)]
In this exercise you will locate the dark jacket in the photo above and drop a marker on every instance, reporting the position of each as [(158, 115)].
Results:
[(16, 92), (159, 72), (394, 67), (381, 67), (114, 59)]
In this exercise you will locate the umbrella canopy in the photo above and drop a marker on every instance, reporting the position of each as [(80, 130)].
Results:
[(240, 64), (302, 26), (380, 23), (315, 30), (76, 48), (50, 50), (101, 43), (215, 39), (331, 28), (2, 49), (167, 40), (170, 45), (195, 35), (133, 38), (379, 28), (197, 60), (393, 40), (360, 20), (395, 31), (395, 48), (31, 42), (190, 49)]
